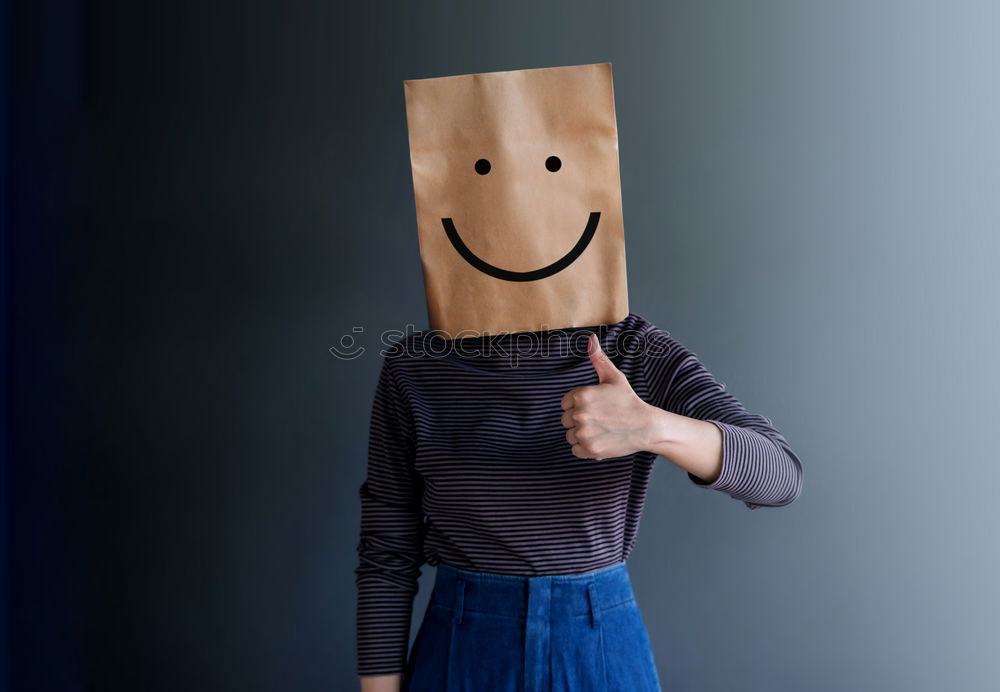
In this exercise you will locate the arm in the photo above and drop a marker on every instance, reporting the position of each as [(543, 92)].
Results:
[(689, 419), (745, 457), (694, 445), (390, 549)]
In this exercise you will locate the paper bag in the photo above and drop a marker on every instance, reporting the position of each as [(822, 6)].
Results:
[(518, 199)]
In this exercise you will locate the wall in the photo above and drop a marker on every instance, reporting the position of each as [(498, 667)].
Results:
[(207, 196)]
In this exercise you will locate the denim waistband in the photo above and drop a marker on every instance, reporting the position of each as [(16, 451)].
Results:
[(584, 594)]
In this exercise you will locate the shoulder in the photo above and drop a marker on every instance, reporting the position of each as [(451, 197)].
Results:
[(637, 337), (653, 355)]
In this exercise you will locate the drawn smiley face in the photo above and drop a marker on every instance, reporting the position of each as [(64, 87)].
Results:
[(552, 164), (518, 199)]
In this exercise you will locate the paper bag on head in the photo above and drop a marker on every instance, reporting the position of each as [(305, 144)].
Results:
[(518, 199)]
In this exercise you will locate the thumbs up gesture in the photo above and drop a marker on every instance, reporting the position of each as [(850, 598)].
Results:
[(608, 419)]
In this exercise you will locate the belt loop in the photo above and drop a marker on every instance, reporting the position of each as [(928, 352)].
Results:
[(459, 601), (595, 605)]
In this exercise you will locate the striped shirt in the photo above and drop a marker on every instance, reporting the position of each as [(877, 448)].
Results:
[(468, 463)]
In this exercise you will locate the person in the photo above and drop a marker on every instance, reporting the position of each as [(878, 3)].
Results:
[(518, 465)]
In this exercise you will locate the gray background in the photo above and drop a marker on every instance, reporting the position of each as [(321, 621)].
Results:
[(810, 201)]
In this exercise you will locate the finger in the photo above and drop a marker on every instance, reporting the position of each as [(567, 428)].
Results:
[(606, 370), (567, 400), (571, 436), (567, 419)]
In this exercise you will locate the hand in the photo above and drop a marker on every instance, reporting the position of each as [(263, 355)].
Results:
[(381, 683), (607, 419)]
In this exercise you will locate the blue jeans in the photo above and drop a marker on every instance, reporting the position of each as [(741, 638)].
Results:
[(485, 632)]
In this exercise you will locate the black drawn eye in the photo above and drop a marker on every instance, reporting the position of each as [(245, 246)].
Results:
[(482, 166), (553, 163)]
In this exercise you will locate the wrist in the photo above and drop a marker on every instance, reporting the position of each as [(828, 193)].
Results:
[(657, 429)]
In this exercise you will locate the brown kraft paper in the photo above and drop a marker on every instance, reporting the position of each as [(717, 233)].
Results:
[(518, 199)]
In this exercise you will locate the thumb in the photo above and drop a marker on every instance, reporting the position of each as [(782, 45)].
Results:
[(606, 370)]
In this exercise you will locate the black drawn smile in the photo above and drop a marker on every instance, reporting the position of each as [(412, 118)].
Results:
[(507, 275)]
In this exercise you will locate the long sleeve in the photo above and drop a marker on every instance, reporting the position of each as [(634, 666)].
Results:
[(758, 465), (390, 549)]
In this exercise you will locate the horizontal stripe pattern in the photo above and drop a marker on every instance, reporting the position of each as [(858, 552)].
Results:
[(468, 464)]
